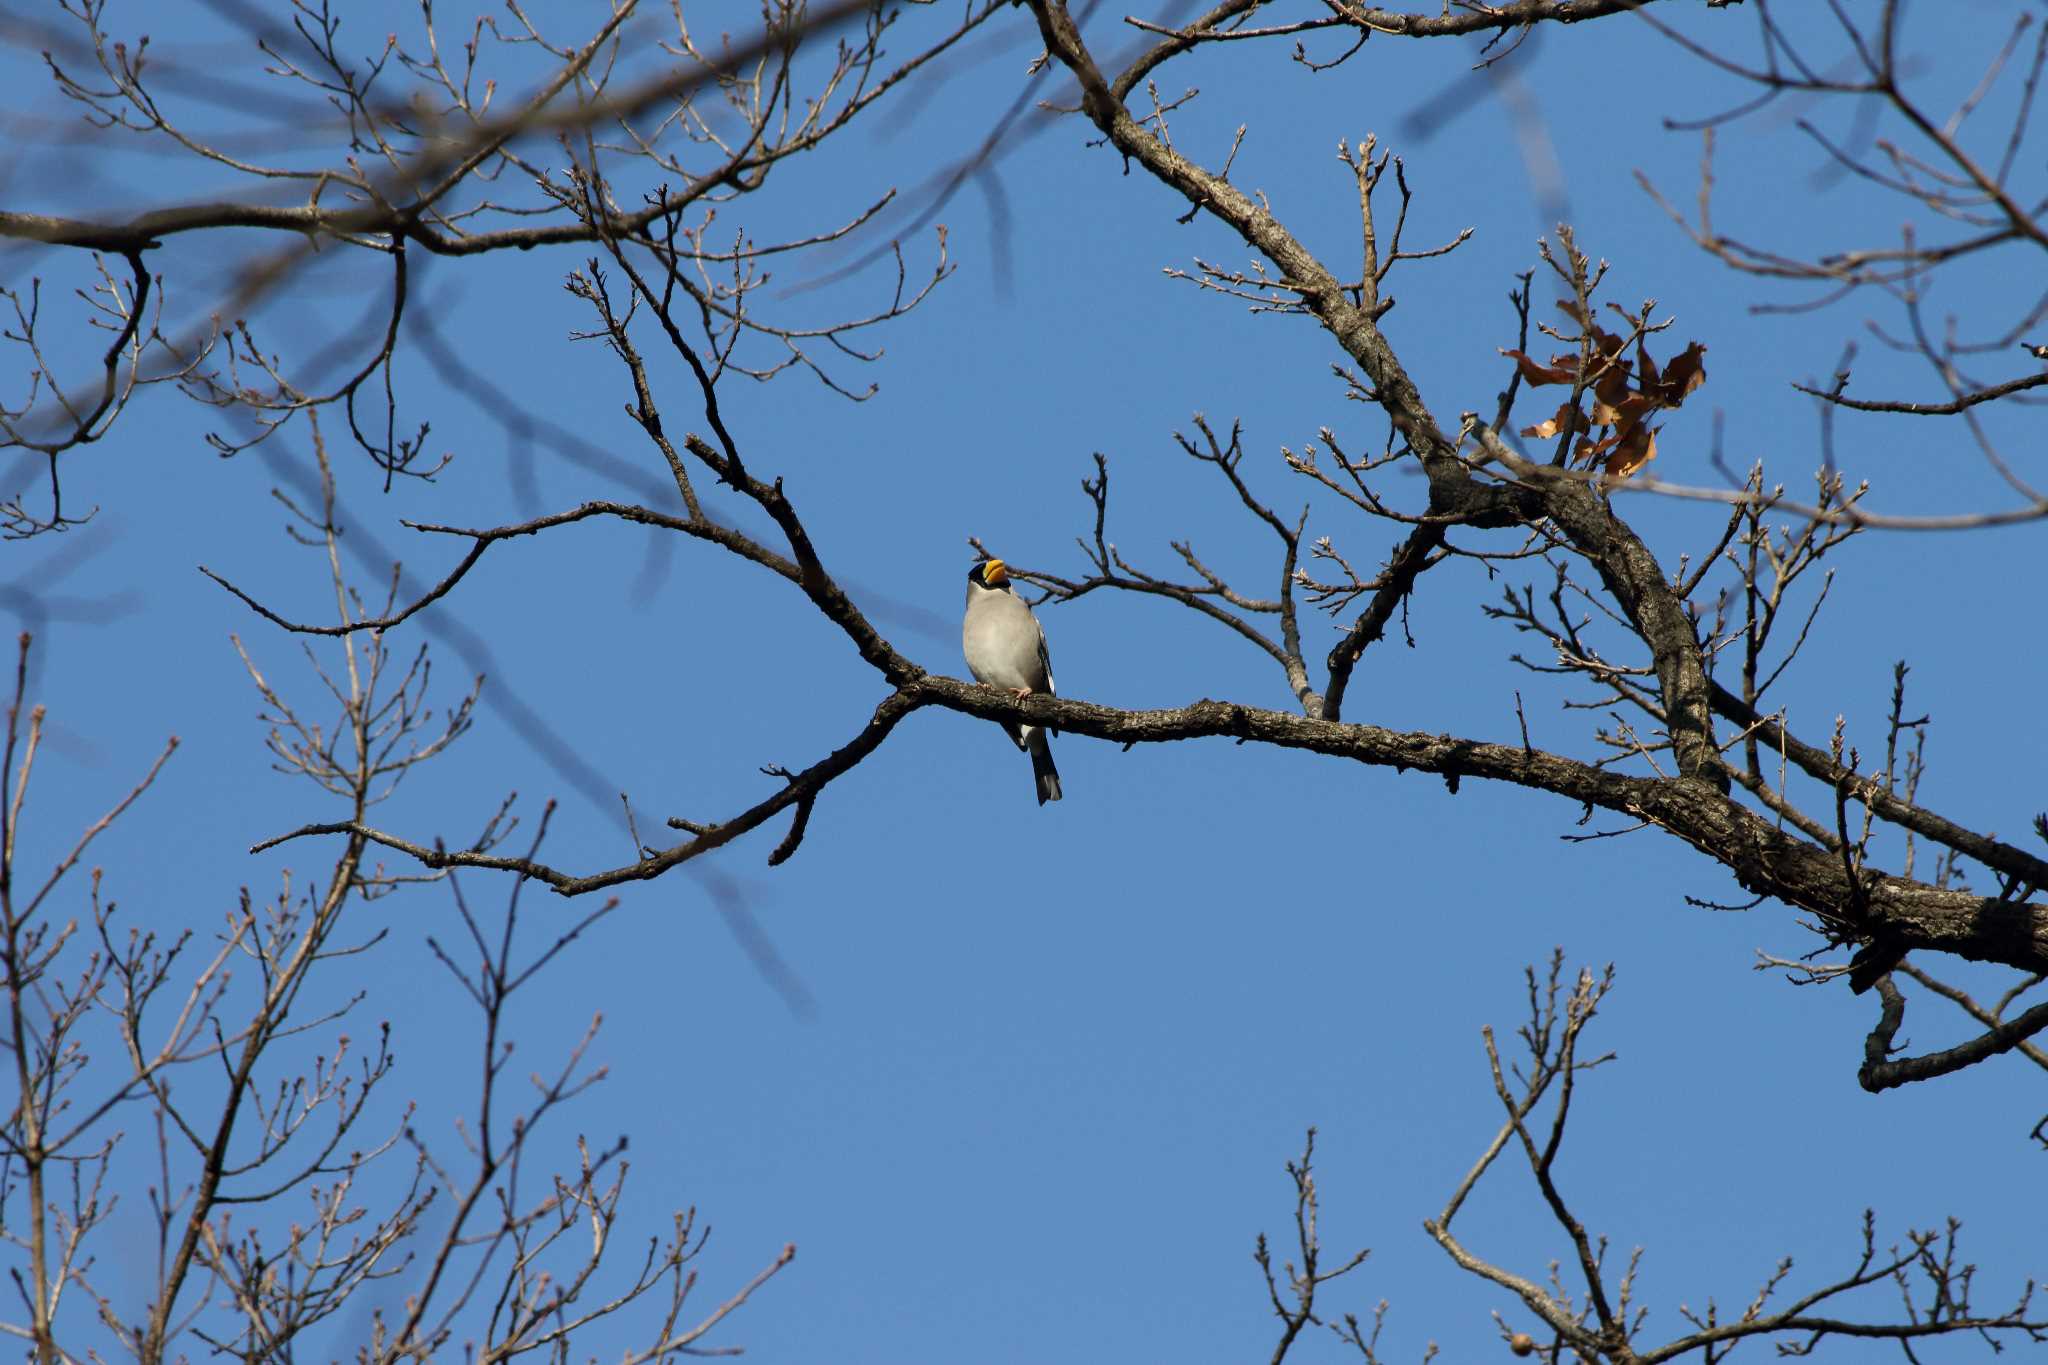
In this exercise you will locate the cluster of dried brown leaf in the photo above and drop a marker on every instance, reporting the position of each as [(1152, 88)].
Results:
[(1625, 395)]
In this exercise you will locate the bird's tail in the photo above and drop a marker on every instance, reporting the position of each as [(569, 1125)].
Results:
[(1041, 768)]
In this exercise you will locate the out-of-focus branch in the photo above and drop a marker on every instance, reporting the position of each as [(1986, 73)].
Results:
[(483, 538), (1953, 178), (397, 207), (1948, 409), (422, 170)]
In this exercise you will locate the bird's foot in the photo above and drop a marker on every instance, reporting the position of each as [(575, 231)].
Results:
[(1020, 692)]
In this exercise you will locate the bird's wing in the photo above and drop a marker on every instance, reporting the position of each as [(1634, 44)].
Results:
[(1044, 658)]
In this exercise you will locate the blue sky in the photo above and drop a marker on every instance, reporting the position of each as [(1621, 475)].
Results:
[(1054, 1059)]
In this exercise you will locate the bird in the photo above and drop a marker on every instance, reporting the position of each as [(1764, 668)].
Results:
[(1005, 647)]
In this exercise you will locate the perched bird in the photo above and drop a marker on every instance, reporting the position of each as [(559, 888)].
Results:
[(1005, 648)]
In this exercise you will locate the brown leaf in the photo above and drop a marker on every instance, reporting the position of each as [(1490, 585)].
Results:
[(1646, 368), (1591, 451), (1612, 389), (1609, 343), (1632, 408), (1686, 371), (1540, 374), (1556, 423), (1637, 448)]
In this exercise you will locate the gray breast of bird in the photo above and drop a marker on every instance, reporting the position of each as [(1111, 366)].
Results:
[(1002, 642)]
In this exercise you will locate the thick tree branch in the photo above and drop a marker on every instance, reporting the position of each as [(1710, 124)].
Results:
[(2033, 1052), (1634, 578), (1407, 565), (1881, 1072), (1762, 857), (1483, 18), (799, 789)]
